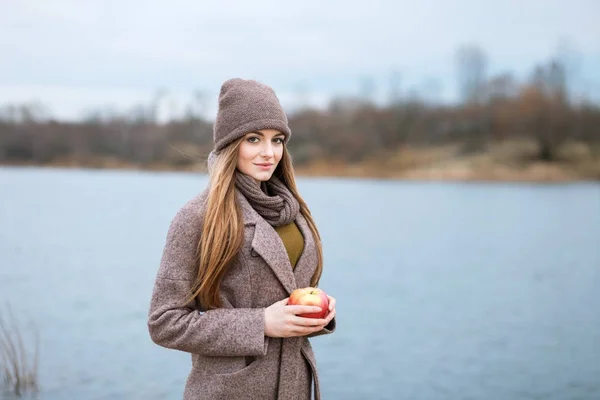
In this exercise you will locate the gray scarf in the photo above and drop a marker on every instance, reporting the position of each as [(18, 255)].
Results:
[(272, 200)]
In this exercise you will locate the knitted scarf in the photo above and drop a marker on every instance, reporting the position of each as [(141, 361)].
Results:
[(279, 209), (271, 199)]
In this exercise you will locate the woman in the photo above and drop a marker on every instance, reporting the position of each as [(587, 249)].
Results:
[(234, 254)]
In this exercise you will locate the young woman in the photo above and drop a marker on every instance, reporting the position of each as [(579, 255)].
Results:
[(234, 254)]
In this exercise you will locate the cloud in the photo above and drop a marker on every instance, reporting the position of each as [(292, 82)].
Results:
[(139, 46)]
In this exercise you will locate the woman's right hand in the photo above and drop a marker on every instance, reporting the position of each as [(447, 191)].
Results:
[(282, 320)]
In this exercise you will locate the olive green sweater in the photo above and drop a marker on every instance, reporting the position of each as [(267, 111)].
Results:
[(293, 241)]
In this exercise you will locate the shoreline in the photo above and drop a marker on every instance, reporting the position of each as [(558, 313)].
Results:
[(533, 173)]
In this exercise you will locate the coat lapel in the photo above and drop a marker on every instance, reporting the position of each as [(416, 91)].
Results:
[(267, 244)]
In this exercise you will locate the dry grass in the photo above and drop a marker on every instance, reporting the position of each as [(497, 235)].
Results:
[(511, 160), (20, 374)]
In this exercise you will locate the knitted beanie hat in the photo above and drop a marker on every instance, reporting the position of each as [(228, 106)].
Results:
[(247, 106)]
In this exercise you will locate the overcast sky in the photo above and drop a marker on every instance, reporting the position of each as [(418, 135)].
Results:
[(78, 55)]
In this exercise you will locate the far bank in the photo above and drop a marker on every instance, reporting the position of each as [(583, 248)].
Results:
[(509, 161)]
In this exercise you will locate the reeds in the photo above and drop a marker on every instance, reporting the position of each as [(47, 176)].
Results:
[(20, 374)]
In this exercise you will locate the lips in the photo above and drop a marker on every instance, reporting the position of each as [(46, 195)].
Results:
[(265, 165)]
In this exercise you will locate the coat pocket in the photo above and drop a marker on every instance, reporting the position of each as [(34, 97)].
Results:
[(212, 365)]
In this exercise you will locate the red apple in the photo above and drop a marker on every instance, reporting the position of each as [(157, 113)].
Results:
[(310, 296)]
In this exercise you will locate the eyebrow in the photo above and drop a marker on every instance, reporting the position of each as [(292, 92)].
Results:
[(262, 134)]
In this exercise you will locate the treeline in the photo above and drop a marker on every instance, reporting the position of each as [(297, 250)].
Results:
[(493, 109)]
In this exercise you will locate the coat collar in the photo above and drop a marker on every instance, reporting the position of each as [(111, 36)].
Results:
[(268, 244)]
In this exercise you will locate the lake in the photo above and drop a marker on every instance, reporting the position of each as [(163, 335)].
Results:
[(444, 290)]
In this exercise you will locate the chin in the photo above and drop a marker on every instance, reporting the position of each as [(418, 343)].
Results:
[(263, 177)]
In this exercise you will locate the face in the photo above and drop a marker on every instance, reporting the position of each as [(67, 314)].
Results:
[(260, 152)]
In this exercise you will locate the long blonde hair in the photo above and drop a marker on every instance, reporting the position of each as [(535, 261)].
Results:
[(223, 228)]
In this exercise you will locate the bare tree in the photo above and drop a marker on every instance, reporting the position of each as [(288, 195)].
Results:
[(544, 109), (367, 89), (471, 65), (394, 91)]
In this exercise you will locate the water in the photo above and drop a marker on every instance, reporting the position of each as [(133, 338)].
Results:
[(444, 290)]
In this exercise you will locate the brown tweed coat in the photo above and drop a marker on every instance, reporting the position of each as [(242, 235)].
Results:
[(231, 356)]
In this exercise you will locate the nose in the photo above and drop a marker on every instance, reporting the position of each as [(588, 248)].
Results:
[(267, 149)]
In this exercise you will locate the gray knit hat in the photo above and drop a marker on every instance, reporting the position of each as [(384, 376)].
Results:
[(247, 106)]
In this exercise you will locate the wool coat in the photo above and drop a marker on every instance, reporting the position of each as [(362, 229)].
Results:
[(231, 356)]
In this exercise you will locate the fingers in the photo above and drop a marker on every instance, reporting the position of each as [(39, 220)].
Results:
[(319, 323), (329, 317), (303, 309), (300, 326), (331, 303), (301, 321), (304, 330)]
